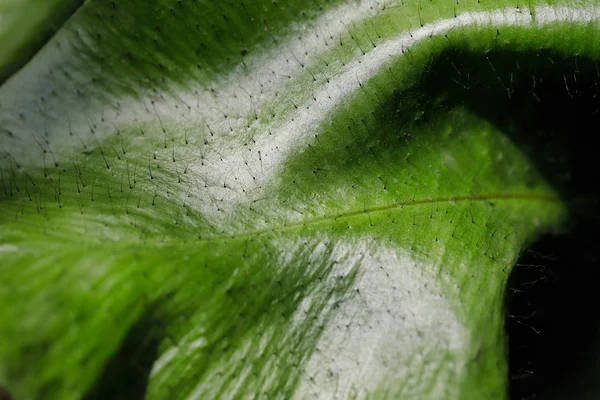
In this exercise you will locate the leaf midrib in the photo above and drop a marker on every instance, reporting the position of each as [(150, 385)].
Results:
[(348, 215)]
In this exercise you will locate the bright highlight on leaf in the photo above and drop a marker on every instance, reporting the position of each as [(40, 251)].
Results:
[(307, 199)]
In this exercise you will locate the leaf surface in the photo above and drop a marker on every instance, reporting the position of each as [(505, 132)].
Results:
[(231, 200), (25, 26)]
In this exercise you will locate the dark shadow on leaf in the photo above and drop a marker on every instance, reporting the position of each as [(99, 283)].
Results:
[(551, 322), (126, 375), (4, 394), (549, 105)]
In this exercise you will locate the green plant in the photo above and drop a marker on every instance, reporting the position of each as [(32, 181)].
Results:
[(274, 199)]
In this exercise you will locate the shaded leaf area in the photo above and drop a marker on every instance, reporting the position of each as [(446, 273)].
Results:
[(26, 26), (552, 324), (368, 257), (4, 394), (126, 374), (545, 100)]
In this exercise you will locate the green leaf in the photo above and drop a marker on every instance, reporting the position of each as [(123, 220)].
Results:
[(230, 200), (26, 25)]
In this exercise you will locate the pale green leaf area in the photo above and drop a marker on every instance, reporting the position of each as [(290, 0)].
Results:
[(275, 199)]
